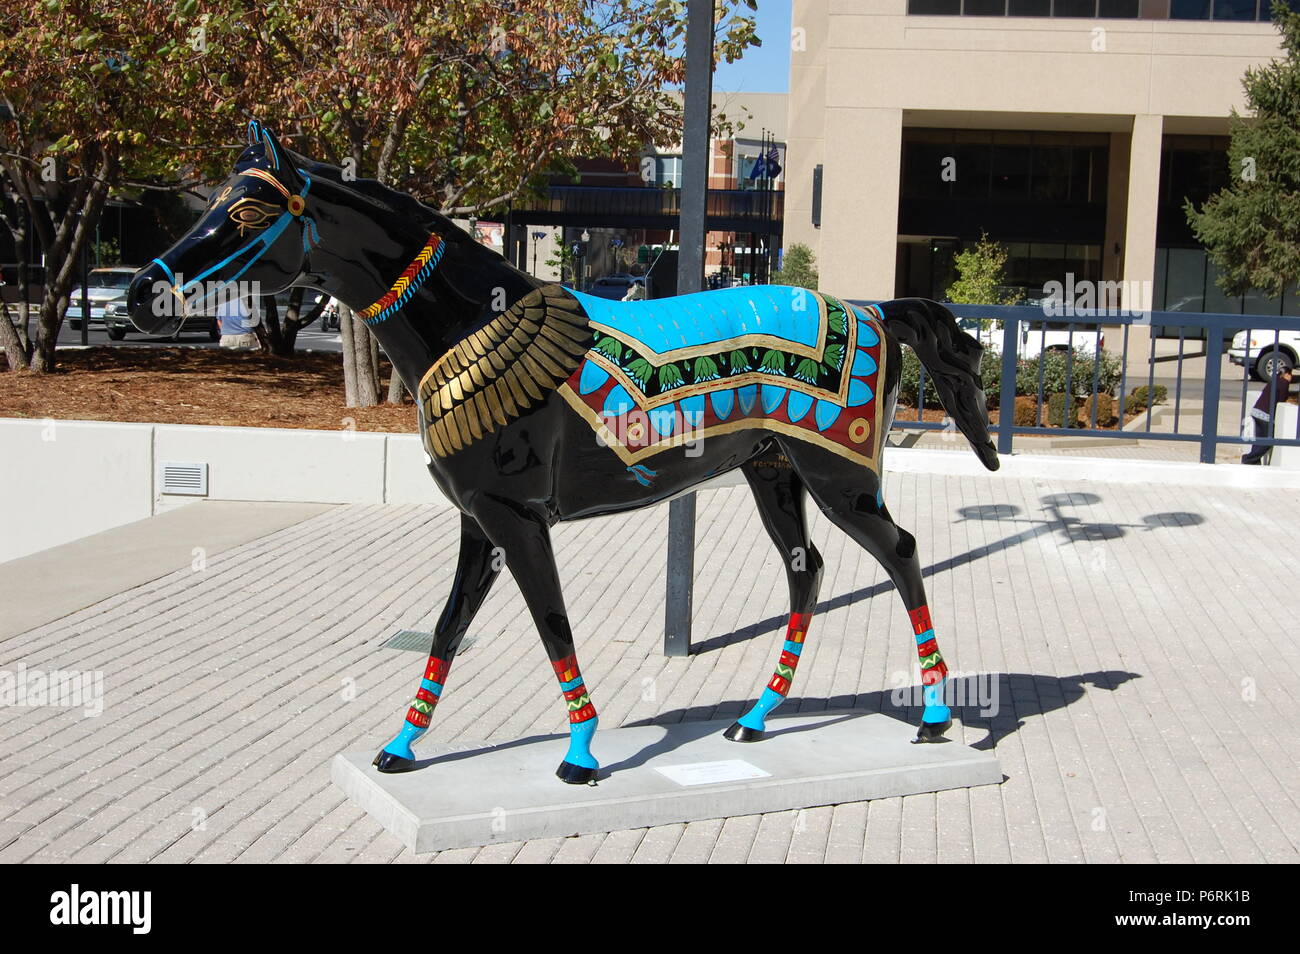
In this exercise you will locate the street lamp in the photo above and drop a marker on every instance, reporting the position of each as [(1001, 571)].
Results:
[(582, 275), (537, 237)]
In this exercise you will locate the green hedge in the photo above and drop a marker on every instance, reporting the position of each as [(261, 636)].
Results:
[(1138, 399), (1062, 411), (1105, 410), (990, 371), (1054, 367)]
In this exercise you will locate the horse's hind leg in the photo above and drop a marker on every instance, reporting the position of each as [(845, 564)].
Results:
[(850, 497), (475, 571), (780, 495)]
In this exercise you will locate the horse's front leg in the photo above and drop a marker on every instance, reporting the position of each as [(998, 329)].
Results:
[(475, 571), (525, 540)]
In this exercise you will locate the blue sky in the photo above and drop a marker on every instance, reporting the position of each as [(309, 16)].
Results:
[(764, 69)]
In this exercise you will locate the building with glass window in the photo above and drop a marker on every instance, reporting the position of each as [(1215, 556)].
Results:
[(629, 211), (1069, 130)]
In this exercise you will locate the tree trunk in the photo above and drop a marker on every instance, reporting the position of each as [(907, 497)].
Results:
[(16, 351), (64, 257), (372, 346), (280, 338), (367, 348), (295, 320), (395, 388), (360, 360), (349, 356), (25, 296), (15, 334), (267, 330)]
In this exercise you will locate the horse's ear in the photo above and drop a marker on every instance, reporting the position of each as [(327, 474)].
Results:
[(277, 156), (254, 132)]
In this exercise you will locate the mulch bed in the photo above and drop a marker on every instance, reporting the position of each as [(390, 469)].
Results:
[(217, 386), (905, 415), (197, 386)]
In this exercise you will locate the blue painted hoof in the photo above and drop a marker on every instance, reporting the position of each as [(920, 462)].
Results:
[(388, 763), (575, 774), (743, 733), (932, 732)]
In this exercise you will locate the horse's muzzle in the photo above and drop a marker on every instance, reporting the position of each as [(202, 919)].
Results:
[(151, 302)]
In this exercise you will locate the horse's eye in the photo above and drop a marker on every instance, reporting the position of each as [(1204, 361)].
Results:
[(252, 214)]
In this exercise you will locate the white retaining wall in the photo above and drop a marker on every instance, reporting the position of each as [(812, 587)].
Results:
[(76, 478)]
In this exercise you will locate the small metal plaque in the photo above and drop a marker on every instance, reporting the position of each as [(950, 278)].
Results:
[(710, 773)]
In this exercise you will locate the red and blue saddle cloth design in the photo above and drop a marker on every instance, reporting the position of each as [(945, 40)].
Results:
[(674, 371)]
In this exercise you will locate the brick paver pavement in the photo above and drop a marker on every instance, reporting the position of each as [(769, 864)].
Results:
[(1137, 640)]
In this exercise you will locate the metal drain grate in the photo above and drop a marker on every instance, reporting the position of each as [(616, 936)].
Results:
[(412, 640)]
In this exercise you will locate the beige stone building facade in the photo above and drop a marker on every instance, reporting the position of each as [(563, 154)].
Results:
[(1071, 139)]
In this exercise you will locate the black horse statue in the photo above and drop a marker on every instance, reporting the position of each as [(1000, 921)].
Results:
[(539, 404)]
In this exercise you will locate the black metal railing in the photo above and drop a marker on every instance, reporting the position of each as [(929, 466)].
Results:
[(1102, 373)]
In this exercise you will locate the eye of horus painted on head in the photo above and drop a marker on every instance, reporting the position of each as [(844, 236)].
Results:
[(250, 213)]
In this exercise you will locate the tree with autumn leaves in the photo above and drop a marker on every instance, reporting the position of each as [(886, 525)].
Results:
[(466, 104), (94, 101)]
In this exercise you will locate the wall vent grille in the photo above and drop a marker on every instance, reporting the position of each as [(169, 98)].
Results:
[(190, 479)]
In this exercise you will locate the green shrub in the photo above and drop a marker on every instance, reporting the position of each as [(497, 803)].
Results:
[(909, 379), (798, 267), (1026, 412), (1105, 406), (1062, 410), (991, 373), (1054, 365), (1137, 400)]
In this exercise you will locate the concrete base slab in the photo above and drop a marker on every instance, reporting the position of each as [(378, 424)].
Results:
[(477, 794)]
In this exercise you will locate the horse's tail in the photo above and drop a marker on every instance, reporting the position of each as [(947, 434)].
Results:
[(952, 358)]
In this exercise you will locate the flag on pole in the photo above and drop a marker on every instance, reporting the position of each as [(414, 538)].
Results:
[(773, 165)]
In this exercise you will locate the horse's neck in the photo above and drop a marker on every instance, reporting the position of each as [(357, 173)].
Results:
[(365, 250), (470, 287)]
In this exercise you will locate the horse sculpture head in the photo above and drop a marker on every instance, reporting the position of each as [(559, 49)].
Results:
[(252, 240)]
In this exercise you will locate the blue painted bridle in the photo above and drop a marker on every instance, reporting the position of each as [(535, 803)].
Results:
[(269, 236)]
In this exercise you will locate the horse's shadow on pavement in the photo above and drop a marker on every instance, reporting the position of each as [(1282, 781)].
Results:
[(997, 703), (1070, 530)]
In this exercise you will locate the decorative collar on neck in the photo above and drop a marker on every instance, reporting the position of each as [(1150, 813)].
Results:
[(415, 275)]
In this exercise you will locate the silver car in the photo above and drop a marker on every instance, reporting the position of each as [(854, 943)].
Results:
[(102, 286)]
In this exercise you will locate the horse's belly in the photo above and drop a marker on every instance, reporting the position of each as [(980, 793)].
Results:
[(796, 363)]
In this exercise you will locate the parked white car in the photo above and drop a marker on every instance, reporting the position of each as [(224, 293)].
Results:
[(1034, 340), (1254, 350)]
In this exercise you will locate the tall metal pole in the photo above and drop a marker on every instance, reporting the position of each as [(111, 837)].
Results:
[(85, 290), (698, 97)]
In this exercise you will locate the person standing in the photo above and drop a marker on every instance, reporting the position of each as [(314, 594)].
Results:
[(1262, 414), (238, 322)]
